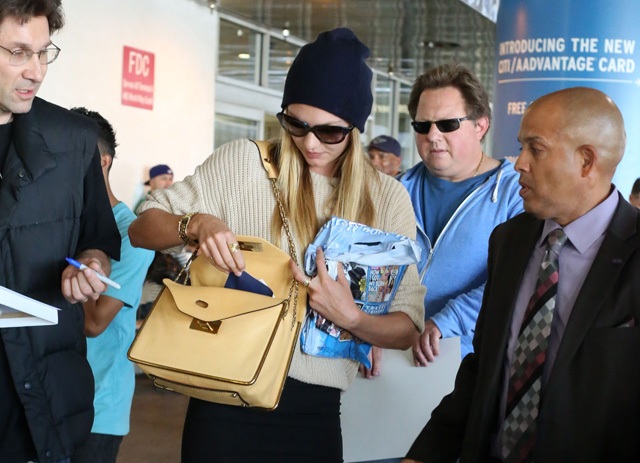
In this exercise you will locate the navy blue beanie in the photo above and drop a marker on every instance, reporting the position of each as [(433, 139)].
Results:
[(331, 74)]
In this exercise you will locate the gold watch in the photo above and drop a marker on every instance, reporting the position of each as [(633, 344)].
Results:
[(182, 229)]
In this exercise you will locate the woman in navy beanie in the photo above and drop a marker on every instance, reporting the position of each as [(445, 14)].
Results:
[(322, 171)]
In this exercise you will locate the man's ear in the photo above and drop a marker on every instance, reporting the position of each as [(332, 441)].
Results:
[(482, 125), (105, 161), (588, 158)]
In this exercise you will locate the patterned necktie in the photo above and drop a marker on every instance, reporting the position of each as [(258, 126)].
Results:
[(525, 381)]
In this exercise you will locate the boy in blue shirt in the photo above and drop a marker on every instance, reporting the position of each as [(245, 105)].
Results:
[(110, 324)]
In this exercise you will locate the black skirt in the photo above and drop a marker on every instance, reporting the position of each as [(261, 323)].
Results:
[(305, 428)]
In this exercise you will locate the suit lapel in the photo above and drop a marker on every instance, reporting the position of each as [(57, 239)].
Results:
[(513, 265), (510, 264), (605, 270), (509, 257)]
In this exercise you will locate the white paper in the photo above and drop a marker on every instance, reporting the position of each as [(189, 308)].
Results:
[(19, 310), (381, 417)]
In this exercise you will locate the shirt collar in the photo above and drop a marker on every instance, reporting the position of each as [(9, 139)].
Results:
[(586, 229)]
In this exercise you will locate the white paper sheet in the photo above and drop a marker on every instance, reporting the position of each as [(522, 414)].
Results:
[(19, 310), (382, 417)]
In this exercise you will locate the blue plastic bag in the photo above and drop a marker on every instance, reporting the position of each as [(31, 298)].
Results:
[(374, 264)]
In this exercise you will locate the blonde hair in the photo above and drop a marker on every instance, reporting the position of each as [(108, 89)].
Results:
[(351, 198)]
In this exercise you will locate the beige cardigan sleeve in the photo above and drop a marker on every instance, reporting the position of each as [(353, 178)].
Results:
[(395, 214)]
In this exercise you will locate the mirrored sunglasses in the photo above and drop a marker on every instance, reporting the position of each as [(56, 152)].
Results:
[(444, 126), (329, 134)]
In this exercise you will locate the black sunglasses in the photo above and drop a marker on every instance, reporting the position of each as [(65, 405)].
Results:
[(444, 126), (329, 134)]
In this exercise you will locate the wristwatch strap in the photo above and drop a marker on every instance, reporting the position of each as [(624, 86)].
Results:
[(182, 229)]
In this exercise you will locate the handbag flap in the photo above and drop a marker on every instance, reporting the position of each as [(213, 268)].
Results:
[(208, 303), (263, 261)]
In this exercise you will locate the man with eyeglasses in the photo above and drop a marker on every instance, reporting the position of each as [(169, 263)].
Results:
[(53, 204), (459, 195)]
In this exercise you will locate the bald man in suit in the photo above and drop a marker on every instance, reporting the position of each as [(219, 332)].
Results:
[(581, 401)]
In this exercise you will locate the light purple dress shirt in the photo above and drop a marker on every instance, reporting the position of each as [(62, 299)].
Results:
[(585, 235)]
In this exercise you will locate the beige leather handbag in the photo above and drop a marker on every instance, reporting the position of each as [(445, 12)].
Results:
[(225, 345)]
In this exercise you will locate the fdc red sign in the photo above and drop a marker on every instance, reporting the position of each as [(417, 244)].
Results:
[(137, 78)]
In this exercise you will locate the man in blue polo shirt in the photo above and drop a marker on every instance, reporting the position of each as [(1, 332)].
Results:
[(110, 325)]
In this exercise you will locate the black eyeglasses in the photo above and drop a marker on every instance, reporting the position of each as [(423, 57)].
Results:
[(444, 126), (329, 134), (22, 56)]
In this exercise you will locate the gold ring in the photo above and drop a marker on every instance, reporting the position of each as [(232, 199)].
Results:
[(306, 282), (234, 247)]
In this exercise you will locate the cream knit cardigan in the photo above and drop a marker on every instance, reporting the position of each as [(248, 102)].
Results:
[(233, 186)]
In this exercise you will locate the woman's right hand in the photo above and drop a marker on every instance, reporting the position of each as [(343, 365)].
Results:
[(217, 243)]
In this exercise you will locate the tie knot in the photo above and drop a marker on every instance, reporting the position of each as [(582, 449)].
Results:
[(556, 239)]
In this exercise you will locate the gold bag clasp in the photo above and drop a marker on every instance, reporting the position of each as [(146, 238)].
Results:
[(206, 327), (250, 246)]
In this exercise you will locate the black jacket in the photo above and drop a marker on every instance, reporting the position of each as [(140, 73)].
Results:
[(48, 211), (590, 409)]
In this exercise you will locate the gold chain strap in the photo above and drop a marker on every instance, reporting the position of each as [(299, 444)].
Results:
[(185, 269), (292, 248), (293, 289)]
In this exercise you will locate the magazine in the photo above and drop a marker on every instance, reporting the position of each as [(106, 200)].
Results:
[(18, 310), (374, 263)]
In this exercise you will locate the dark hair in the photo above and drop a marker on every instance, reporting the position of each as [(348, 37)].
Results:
[(163, 266), (453, 75), (24, 10), (106, 136), (635, 191)]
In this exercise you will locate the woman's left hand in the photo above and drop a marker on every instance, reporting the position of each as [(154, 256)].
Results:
[(331, 299)]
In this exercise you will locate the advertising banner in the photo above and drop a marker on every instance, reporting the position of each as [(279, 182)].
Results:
[(545, 45)]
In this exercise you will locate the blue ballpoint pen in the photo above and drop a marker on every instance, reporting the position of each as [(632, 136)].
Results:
[(102, 278)]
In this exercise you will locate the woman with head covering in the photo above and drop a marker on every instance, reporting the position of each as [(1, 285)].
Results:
[(322, 171)]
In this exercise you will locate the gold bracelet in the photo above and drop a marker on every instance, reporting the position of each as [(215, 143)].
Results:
[(182, 229)]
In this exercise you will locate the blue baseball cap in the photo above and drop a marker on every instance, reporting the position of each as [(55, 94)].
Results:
[(386, 144), (160, 169)]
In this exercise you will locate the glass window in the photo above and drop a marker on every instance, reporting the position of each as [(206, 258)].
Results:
[(271, 127), (239, 53), (281, 55), (229, 128), (382, 108), (405, 131)]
